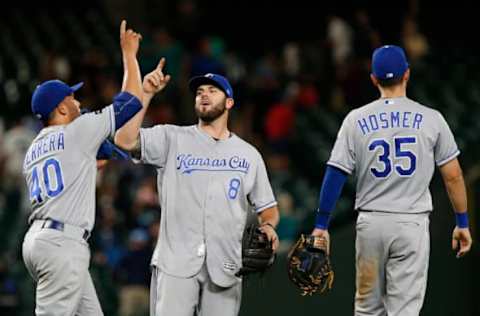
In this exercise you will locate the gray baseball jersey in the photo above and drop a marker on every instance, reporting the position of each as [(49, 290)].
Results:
[(60, 168), (154, 261), (392, 145), (207, 187)]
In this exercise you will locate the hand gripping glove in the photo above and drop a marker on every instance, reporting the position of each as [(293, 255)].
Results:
[(309, 265), (257, 252)]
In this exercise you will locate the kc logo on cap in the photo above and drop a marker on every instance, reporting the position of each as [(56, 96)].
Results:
[(213, 79)]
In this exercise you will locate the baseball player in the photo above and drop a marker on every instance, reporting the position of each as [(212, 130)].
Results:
[(391, 145), (210, 179), (60, 170)]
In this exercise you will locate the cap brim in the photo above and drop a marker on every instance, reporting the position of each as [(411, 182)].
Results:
[(196, 82), (77, 86)]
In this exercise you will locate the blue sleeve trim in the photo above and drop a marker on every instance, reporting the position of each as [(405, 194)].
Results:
[(125, 106), (332, 186)]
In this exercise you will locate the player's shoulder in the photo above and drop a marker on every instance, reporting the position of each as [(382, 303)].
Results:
[(369, 107), (422, 107), (353, 113), (89, 119), (432, 116), (403, 103), (166, 128), (245, 146), (184, 131), (361, 110)]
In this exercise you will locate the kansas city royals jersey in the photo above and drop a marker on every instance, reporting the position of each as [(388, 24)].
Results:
[(206, 189), (392, 146), (155, 255), (60, 168)]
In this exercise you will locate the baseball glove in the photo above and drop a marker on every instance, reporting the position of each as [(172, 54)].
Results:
[(309, 265), (257, 252)]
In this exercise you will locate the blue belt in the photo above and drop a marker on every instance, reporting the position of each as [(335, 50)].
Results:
[(57, 225)]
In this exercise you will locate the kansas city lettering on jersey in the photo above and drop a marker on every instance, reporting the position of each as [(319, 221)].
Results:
[(45, 145), (187, 163), (396, 119)]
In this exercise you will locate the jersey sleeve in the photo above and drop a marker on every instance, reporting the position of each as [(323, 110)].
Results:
[(92, 128), (261, 197), (446, 148), (154, 145), (343, 152)]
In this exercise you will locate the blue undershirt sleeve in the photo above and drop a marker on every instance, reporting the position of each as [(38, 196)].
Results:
[(125, 106), (332, 186)]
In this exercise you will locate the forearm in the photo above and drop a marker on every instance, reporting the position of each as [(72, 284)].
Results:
[(132, 79), (270, 216), (455, 185), (128, 136), (453, 179), (457, 193)]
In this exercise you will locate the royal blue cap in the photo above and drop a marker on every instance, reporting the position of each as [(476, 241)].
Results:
[(48, 96), (389, 62), (213, 79)]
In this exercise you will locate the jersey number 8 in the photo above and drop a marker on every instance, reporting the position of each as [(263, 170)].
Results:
[(399, 153), (233, 188), (36, 187)]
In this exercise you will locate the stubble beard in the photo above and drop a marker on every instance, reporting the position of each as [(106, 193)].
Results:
[(213, 114)]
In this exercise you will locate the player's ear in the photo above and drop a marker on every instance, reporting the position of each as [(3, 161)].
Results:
[(406, 75), (374, 80), (229, 103), (62, 108)]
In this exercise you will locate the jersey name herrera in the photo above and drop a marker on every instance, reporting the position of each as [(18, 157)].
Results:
[(187, 163), (45, 145)]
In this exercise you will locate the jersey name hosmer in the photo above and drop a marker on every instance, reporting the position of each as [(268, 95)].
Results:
[(393, 119), (187, 163)]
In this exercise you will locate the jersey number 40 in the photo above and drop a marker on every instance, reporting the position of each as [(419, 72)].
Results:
[(402, 155), (46, 179)]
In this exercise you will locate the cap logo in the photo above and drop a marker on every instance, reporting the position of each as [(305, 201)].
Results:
[(389, 75), (209, 75)]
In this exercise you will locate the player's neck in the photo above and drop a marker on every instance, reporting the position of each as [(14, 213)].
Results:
[(393, 92), (217, 129), (59, 120)]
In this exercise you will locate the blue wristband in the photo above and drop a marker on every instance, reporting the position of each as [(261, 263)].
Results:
[(462, 220)]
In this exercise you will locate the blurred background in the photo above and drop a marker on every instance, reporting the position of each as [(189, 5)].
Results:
[(297, 68)]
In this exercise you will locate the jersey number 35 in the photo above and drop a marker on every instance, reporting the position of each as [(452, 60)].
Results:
[(404, 158)]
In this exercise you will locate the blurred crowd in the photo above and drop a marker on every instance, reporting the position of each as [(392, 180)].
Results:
[(289, 102)]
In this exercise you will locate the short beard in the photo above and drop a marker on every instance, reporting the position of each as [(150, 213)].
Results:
[(213, 114)]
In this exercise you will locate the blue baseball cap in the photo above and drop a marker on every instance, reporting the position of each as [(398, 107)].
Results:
[(213, 79), (49, 94), (389, 62)]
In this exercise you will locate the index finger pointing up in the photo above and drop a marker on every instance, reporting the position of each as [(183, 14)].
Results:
[(161, 63), (123, 27)]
